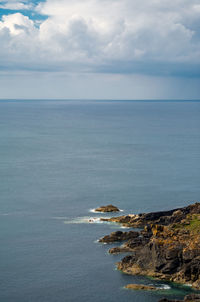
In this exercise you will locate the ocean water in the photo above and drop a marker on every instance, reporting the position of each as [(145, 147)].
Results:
[(59, 160)]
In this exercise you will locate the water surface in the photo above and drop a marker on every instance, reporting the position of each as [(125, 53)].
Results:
[(58, 160)]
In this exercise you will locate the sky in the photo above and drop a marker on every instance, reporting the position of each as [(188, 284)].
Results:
[(102, 49)]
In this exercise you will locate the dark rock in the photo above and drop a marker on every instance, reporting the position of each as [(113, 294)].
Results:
[(192, 298), (117, 250), (120, 219), (108, 208), (119, 236), (191, 270), (168, 247), (136, 242), (187, 298), (164, 218)]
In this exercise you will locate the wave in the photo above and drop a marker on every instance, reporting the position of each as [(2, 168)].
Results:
[(79, 220), (93, 211), (123, 227), (164, 287), (97, 241)]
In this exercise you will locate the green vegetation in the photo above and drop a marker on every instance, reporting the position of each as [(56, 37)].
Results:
[(190, 223), (194, 223)]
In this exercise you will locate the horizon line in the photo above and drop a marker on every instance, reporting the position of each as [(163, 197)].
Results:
[(96, 99)]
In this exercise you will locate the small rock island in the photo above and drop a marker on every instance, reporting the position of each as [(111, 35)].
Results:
[(140, 287), (167, 247), (107, 209)]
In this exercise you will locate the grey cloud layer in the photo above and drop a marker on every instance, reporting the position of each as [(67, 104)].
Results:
[(120, 36)]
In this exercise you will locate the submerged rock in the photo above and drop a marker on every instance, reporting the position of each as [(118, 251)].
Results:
[(140, 287), (108, 208)]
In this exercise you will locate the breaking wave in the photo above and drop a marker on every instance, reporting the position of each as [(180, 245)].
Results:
[(164, 286)]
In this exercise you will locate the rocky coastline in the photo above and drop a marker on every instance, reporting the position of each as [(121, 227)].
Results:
[(167, 247)]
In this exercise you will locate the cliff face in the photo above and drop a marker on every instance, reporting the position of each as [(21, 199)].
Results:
[(167, 248)]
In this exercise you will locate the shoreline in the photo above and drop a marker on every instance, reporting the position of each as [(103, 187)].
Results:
[(166, 248)]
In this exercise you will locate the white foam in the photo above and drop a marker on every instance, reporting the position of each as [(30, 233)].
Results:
[(164, 287), (93, 211), (79, 220), (94, 220), (124, 227), (190, 285)]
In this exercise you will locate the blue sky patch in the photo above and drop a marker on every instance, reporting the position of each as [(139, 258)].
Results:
[(31, 13)]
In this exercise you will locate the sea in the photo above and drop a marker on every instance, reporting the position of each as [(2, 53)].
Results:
[(59, 160)]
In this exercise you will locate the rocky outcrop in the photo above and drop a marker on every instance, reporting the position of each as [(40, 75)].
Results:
[(171, 252), (168, 246), (130, 246), (140, 287), (108, 208), (119, 236), (162, 218)]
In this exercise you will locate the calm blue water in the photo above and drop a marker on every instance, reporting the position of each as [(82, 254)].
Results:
[(58, 159)]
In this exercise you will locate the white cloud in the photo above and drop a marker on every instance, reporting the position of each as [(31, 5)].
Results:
[(87, 34), (15, 5), (17, 24)]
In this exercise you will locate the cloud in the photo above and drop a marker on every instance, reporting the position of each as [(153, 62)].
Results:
[(17, 24), (113, 36), (16, 5)]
